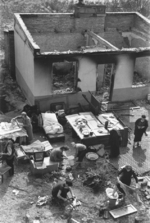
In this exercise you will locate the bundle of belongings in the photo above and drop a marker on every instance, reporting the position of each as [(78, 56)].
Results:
[(51, 124), (81, 124), (111, 121), (11, 130), (37, 146)]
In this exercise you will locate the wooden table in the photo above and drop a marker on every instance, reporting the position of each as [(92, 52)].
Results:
[(93, 125), (96, 124)]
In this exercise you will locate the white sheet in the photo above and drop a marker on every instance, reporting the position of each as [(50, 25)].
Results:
[(51, 124)]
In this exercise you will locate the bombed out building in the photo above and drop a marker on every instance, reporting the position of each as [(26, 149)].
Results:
[(60, 56)]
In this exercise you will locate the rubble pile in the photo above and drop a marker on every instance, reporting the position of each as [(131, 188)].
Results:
[(139, 80), (63, 83), (145, 187), (95, 179)]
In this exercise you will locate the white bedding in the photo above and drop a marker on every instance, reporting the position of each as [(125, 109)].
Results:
[(51, 124)]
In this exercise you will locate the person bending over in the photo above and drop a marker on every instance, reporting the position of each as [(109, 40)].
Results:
[(57, 155), (80, 151), (60, 191), (124, 176)]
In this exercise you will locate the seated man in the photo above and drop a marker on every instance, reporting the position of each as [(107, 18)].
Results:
[(60, 191), (57, 154), (125, 175)]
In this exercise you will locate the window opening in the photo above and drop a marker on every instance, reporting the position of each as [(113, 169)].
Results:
[(64, 77)]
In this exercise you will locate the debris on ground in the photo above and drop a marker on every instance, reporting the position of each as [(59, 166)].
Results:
[(42, 200), (16, 192)]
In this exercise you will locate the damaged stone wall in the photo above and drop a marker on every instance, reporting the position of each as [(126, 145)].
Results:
[(59, 41), (65, 23), (119, 21), (61, 32)]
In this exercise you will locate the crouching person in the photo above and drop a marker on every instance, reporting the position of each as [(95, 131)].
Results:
[(60, 191)]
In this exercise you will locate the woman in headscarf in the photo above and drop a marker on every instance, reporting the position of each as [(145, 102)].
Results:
[(141, 125), (114, 141)]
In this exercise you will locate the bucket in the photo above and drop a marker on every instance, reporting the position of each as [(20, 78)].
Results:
[(71, 160), (112, 199)]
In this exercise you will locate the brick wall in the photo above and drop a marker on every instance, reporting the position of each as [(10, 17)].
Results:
[(62, 31), (142, 25), (59, 41), (114, 38), (63, 23), (137, 42), (121, 21)]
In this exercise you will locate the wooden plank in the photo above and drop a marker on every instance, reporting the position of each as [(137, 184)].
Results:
[(120, 212)]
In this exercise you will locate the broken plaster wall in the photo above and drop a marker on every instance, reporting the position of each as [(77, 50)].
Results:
[(123, 89), (142, 64), (123, 78), (59, 41), (43, 77), (24, 64), (87, 73)]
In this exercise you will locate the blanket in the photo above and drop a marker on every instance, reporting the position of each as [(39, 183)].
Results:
[(51, 124)]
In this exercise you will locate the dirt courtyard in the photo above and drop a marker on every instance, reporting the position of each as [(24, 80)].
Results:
[(19, 194)]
